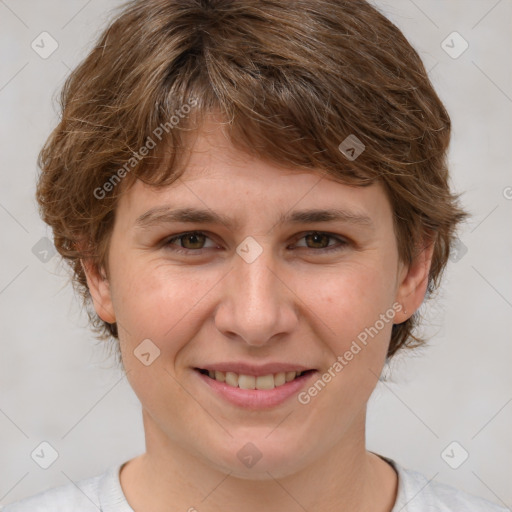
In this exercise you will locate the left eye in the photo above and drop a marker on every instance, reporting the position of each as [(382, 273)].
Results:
[(194, 241), (322, 239)]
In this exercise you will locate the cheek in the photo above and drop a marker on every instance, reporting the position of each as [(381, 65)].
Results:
[(355, 307), (158, 301), (349, 299), (356, 318), (165, 305)]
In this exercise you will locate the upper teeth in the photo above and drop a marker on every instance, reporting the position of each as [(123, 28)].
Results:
[(252, 382)]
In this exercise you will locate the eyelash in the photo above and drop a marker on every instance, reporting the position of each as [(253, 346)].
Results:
[(181, 250)]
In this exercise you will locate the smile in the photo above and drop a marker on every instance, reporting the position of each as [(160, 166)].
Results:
[(242, 381), (254, 392)]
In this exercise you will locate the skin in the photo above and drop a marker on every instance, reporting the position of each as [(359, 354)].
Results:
[(295, 303)]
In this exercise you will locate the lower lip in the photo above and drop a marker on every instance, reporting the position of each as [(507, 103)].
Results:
[(257, 398)]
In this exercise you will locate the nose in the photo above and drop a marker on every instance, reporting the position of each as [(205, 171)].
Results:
[(257, 302)]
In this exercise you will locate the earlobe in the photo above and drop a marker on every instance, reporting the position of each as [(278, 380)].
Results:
[(413, 285), (99, 288)]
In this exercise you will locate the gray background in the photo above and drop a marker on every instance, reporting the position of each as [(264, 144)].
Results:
[(57, 384)]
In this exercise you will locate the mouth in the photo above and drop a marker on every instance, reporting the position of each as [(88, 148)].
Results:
[(257, 382)]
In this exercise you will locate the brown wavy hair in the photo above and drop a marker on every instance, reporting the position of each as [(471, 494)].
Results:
[(292, 79)]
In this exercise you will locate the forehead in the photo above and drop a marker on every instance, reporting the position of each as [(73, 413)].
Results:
[(221, 177)]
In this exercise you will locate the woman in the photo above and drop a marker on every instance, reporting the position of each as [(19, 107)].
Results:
[(254, 197)]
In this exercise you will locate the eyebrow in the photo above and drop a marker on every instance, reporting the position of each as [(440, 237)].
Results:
[(162, 215)]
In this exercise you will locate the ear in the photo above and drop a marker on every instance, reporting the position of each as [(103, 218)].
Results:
[(413, 282), (99, 288)]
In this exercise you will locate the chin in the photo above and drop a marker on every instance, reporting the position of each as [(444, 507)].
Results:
[(259, 459)]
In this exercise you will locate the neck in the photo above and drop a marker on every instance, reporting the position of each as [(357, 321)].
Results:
[(346, 478)]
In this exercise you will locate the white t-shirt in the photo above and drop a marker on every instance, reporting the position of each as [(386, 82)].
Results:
[(104, 493)]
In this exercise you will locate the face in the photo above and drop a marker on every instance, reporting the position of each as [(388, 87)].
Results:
[(282, 271)]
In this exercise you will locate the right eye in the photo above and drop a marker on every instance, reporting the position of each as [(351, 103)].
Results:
[(190, 242)]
